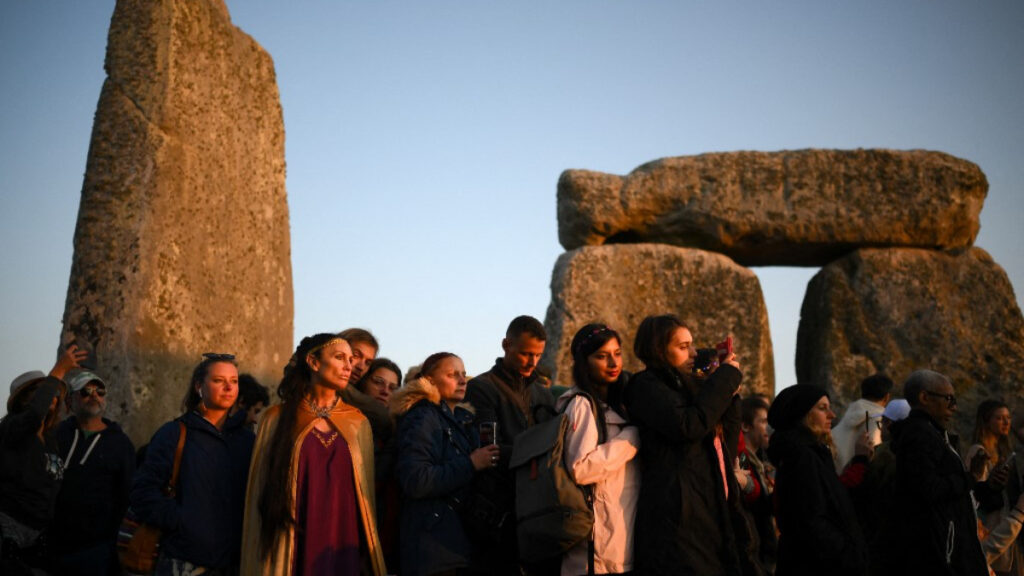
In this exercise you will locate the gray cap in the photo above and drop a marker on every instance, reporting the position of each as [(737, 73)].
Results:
[(26, 378), (83, 377)]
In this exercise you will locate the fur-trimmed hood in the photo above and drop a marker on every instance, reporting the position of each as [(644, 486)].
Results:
[(412, 393)]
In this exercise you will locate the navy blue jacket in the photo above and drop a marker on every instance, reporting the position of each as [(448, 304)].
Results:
[(97, 479), (203, 522), (435, 474)]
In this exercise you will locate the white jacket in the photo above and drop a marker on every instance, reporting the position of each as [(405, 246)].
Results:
[(851, 427), (615, 473)]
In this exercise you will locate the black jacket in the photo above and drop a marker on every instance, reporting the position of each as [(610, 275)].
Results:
[(684, 524), (934, 511), (97, 479), (30, 469), (817, 523), (515, 404)]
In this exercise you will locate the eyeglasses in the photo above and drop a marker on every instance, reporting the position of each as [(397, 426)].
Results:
[(90, 390), (949, 398), (216, 356)]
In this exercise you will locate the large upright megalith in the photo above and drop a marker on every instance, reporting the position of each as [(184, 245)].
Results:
[(897, 310), (182, 242), (622, 284)]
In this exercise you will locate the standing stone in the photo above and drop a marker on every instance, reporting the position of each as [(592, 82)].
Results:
[(898, 310), (182, 242), (624, 283), (792, 208)]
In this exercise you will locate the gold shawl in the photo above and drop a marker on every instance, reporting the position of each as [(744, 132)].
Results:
[(355, 429)]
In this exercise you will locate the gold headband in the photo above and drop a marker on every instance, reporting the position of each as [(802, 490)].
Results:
[(334, 340)]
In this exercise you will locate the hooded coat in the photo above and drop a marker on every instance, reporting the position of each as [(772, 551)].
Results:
[(934, 510), (614, 472), (98, 474), (685, 524), (435, 474), (817, 523), (355, 429)]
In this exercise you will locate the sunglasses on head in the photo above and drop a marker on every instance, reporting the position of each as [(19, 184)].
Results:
[(216, 356), (87, 391)]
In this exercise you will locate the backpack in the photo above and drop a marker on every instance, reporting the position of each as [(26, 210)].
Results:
[(553, 513)]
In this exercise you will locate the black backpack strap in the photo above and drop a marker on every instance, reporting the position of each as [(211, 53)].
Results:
[(602, 433)]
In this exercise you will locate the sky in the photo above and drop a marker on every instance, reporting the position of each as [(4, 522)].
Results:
[(424, 140)]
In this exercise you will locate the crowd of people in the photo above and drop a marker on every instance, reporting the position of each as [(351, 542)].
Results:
[(357, 469)]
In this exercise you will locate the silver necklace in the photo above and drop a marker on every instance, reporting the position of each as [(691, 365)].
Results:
[(322, 412)]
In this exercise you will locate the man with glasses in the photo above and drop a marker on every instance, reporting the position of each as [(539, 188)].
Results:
[(99, 461), (933, 503)]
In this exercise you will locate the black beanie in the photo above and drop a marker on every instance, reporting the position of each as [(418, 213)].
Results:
[(792, 404)]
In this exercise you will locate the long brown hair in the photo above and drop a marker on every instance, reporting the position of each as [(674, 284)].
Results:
[(276, 499), (986, 410), (652, 338)]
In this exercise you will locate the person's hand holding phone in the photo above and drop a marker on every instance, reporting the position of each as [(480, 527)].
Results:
[(725, 353), (1000, 475)]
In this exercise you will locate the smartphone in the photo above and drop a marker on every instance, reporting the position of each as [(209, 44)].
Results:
[(724, 348), (1009, 459), (488, 433)]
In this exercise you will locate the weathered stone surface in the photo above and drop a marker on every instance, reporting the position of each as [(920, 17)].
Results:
[(792, 208), (622, 284), (897, 310), (182, 244)]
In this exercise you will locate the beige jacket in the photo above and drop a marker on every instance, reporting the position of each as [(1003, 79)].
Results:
[(355, 429), (615, 473)]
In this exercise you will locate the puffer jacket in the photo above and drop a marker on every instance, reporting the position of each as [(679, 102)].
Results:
[(202, 524), (435, 474)]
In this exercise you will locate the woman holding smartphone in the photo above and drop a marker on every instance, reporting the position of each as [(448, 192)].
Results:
[(688, 517), (438, 455)]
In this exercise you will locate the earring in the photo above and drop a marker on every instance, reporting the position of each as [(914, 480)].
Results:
[(200, 393)]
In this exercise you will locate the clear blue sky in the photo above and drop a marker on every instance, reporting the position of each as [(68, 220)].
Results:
[(425, 139)]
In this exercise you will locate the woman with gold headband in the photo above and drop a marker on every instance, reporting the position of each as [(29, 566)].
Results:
[(310, 501)]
